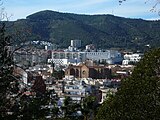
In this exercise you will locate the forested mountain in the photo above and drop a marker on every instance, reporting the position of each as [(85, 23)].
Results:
[(105, 31)]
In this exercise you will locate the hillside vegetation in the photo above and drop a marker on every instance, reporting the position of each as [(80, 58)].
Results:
[(105, 31)]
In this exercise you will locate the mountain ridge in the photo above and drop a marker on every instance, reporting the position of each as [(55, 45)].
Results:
[(105, 31)]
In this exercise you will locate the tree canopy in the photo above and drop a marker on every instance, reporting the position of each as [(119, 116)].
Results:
[(139, 95), (105, 31), (7, 81)]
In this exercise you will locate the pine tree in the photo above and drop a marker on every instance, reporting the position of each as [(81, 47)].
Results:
[(7, 81), (139, 95)]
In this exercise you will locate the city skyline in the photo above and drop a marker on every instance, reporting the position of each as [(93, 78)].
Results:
[(20, 9)]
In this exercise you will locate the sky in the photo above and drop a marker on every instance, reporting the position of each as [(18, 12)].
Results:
[(19, 9)]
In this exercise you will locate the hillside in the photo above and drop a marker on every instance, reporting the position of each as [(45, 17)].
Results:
[(106, 31)]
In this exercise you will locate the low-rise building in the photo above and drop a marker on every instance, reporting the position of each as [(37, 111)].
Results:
[(66, 57), (131, 58), (85, 71)]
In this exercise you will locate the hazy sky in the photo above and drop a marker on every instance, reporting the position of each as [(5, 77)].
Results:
[(130, 9)]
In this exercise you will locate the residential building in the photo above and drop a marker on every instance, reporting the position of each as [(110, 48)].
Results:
[(67, 57), (108, 56), (132, 58), (76, 43)]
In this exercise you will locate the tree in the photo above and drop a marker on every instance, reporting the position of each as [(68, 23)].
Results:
[(31, 108), (8, 84), (58, 74), (13, 104), (70, 109), (89, 107), (35, 107), (138, 98), (103, 111)]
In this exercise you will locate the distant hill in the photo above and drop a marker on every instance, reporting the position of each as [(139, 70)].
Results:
[(105, 31)]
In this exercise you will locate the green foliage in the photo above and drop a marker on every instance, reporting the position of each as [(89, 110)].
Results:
[(13, 104), (70, 108), (89, 107), (105, 109), (8, 85), (105, 31), (138, 97), (58, 74), (30, 109), (37, 107)]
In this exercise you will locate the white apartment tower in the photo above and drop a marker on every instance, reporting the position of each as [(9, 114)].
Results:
[(76, 43)]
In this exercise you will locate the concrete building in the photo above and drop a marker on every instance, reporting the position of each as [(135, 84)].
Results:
[(21, 74), (90, 47), (74, 55), (30, 57), (135, 57), (108, 56), (76, 43), (50, 47), (66, 57)]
